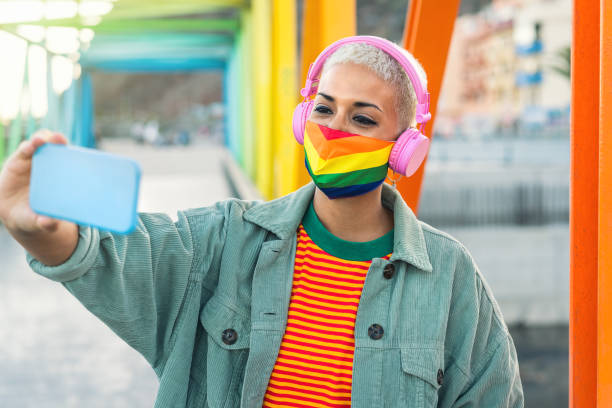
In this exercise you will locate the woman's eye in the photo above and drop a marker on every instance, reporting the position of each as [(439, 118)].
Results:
[(322, 109), (364, 120)]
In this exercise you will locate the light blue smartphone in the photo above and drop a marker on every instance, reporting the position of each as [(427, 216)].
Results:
[(85, 186)]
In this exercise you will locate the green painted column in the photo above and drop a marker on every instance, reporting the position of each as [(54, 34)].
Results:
[(30, 127), (14, 134), (2, 144), (262, 84), (247, 127)]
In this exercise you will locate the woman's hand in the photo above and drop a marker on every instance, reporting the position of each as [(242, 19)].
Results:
[(49, 240), (15, 211)]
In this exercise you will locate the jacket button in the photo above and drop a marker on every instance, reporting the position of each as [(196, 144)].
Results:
[(389, 271), (375, 331), (440, 377), (229, 336)]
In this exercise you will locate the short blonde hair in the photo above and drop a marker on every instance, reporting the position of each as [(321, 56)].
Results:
[(388, 69)]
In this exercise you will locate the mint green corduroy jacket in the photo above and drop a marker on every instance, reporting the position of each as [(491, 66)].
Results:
[(170, 290)]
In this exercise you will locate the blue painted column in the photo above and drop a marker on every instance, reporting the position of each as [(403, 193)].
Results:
[(233, 96)]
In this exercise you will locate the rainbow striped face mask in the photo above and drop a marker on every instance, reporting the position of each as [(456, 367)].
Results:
[(344, 164)]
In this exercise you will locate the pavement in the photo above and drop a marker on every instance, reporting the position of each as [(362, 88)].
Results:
[(543, 361), (53, 353)]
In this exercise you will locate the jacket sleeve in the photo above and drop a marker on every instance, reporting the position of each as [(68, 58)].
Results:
[(492, 377), (136, 283), (497, 382)]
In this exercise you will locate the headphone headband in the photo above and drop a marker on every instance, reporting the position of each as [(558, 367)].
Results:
[(422, 108)]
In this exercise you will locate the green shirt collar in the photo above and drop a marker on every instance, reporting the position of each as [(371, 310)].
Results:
[(340, 248), (283, 215)]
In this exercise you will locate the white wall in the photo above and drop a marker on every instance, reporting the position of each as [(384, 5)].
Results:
[(556, 19), (527, 269)]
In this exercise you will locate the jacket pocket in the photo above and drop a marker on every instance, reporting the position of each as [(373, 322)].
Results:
[(219, 318), (228, 333), (422, 376)]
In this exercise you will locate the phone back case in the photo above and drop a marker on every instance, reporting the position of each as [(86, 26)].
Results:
[(85, 186)]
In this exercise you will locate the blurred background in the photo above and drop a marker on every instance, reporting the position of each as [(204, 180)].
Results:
[(201, 93)]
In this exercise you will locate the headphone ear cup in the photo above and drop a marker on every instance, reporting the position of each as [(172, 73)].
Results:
[(408, 152), (301, 113)]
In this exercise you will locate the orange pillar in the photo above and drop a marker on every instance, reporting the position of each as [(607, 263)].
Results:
[(323, 22), (583, 205), (604, 298), (427, 35)]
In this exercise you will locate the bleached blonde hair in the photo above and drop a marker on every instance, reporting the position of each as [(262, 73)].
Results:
[(388, 69)]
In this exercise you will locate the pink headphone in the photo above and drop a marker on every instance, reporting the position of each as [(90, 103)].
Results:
[(411, 146)]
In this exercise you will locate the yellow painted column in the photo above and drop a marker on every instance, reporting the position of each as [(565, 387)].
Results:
[(284, 94), (323, 23), (262, 69), (604, 303)]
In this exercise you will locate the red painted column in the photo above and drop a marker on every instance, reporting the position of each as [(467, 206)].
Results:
[(584, 135), (427, 35), (604, 220)]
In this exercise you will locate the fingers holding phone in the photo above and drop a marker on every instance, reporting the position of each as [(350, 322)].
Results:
[(15, 211)]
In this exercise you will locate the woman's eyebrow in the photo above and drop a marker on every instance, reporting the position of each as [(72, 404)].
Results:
[(362, 104), (357, 104)]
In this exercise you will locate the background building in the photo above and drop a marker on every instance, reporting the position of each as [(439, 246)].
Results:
[(502, 76)]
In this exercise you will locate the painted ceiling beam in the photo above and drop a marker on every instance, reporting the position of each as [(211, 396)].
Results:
[(142, 25), (140, 9), (155, 65), (101, 40)]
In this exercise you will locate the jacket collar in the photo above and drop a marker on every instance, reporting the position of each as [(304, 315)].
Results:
[(283, 215)]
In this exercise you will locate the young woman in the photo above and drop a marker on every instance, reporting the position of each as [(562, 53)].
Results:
[(334, 295)]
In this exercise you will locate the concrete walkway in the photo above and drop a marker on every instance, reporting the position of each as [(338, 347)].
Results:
[(176, 177)]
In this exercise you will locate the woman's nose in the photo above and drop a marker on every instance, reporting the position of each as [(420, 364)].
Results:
[(338, 122)]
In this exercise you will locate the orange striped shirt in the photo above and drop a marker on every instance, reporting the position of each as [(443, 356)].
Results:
[(315, 361)]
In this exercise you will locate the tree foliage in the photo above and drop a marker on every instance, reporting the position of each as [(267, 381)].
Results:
[(562, 63)]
